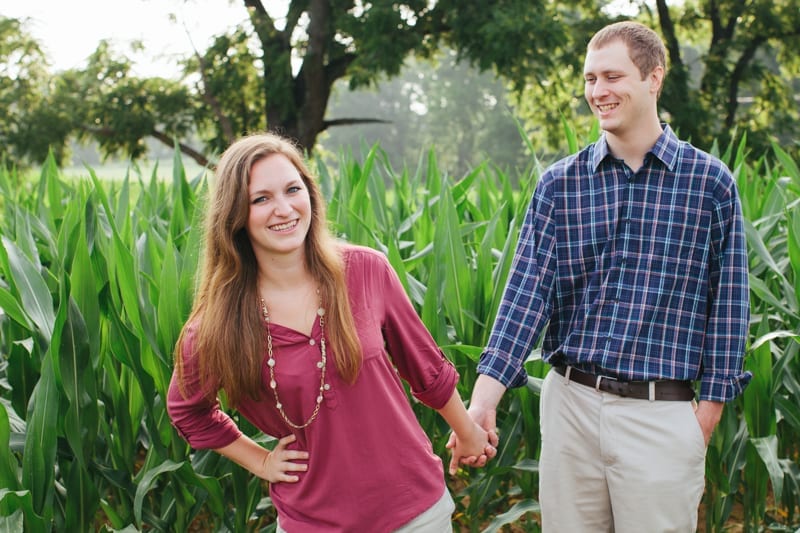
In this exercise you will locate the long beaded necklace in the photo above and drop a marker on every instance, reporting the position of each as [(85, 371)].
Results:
[(321, 364)]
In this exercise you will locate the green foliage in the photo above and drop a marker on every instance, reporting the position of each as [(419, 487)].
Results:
[(732, 66), (441, 102), (96, 279)]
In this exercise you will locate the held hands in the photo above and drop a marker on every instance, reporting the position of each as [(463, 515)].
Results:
[(280, 462), (478, 446)]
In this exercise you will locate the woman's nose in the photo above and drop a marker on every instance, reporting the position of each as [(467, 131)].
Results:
[(282, 205)]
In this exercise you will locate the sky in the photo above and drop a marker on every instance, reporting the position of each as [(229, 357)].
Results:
[(70, 30)]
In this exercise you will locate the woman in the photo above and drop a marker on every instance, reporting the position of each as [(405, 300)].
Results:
[(309, 338)]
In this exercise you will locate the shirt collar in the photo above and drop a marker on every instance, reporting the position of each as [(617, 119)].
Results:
[(665, 149)]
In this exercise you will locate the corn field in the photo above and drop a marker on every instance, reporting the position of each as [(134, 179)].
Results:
[(97, 277)]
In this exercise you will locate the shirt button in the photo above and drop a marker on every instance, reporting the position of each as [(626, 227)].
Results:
[(312, 342)]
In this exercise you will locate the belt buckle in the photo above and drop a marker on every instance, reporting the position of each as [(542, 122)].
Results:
[(599, 381)]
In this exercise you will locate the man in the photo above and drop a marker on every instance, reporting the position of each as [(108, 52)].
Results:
[(633, 251)]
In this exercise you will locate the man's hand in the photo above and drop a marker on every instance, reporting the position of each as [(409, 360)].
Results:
[(485, 397), (708, 415)]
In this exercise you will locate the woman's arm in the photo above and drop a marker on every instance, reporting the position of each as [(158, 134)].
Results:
[(274, 466)]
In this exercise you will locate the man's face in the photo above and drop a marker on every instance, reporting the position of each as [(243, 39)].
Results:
[(614, 88)]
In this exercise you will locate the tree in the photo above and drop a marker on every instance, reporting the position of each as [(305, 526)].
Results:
[(441, 104), (733, 67), (332, 40), (23, 90), (743, 38), (278, 74)]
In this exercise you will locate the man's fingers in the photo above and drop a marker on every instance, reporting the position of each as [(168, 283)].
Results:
[(454, 464)]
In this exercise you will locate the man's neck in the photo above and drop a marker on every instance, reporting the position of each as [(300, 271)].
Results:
[(632, 146)]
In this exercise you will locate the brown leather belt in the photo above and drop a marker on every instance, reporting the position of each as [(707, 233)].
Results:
[(670, 390)]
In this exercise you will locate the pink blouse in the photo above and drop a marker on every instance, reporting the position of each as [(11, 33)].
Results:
[(371, 466)]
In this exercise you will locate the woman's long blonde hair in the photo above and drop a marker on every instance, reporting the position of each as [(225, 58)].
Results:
[(229, 329)]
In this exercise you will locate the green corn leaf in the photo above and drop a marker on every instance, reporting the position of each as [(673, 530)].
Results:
[(148, 482), (788, 163), (767, 448), (759, 407), (49, 210), (518, 510), (789, 410), (569, 132), (760, 289), (772, 335), (77, 376), (83, 501), (24, 236), (11, 307), (38, 461), (8, 464), (168, 307), (793, 247), (37, 302), (83, 286), (452, 259), (18, 504)]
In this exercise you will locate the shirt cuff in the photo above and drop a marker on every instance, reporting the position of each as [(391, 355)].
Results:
[(509, 377), (723, 389), (439, 391)]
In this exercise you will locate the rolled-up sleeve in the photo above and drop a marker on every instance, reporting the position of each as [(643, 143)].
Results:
[(196, 415), (417, 357), (729, 313)]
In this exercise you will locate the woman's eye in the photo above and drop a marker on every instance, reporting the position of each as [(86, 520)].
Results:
[(294, 189), (259, 199)]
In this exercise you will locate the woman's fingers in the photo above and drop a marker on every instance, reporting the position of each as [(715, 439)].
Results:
[(284, 461)]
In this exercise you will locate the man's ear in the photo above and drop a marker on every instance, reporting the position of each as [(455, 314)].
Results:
[(656, 79)]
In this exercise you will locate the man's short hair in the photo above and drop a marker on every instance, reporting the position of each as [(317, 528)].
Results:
[(645, 47)]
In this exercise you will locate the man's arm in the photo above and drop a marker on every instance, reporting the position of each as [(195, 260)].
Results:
[(486, 394)]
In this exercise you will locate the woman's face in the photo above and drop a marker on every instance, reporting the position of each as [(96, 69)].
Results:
[(280, 208)]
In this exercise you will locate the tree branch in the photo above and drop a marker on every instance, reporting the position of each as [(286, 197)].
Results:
[(296, 9), (668, 31), (105, 131), (716, 23), (350, 121), (210, 98), (185, 149), (736, 77), (338, 68)]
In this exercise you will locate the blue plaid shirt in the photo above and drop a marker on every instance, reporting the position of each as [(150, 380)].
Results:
[(641, 275)]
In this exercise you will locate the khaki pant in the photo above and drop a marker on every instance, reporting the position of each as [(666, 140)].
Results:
[(613, 464), (437, 519)]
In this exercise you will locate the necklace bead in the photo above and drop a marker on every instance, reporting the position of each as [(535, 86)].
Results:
[(321, 364)]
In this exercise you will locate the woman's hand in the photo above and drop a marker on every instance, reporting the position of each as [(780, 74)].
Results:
[(473, 448), (280, 462)]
